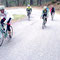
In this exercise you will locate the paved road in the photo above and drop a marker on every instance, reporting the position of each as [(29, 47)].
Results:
[(30, 42)]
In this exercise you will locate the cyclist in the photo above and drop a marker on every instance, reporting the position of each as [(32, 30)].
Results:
[(28, 9), (52, 11), (44, 12), (6, 17), (44, 15)]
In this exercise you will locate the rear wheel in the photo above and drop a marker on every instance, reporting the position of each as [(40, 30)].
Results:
[(11, 30)]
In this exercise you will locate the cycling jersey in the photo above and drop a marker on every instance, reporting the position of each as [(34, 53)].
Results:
[(44, 13), (29, 8), (52, 10), (6, 17)]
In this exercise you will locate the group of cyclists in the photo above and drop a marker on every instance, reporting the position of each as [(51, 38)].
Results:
[(8, 17), (44, 15), (5, 18)]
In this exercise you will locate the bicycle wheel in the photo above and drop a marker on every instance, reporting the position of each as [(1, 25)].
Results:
[(11, 28), (1, 38)]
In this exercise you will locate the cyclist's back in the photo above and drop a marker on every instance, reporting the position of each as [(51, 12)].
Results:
[(29, 8), (52, 10), (44, 12)]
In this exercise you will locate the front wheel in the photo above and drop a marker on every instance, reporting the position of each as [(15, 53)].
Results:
[(1, 38)]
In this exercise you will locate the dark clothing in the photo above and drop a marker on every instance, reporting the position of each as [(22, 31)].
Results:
[(44, 14), (8, 28), (2, 21), (52, 10), (8, 23)]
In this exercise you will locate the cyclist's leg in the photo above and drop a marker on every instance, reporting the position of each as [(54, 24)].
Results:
[(52, 15), (9, 30), (45, 20), (2, 23), (8, 27)]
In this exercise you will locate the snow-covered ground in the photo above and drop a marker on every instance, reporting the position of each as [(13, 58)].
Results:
[(30, 41)]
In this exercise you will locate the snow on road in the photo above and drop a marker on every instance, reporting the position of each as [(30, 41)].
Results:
[(30, 42)]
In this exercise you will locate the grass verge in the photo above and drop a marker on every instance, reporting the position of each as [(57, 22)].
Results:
[(17, 17), (58, 11)]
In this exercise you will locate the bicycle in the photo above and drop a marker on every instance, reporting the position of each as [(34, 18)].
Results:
[(4, 33), (44, 22)]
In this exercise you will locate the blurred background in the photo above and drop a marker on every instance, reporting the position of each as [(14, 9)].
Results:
[(25, 2)]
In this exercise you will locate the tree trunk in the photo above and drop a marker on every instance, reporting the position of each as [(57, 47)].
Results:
[(31, 2), (37, 2), (40, 2), (7, 3), (18, 2), (24, 2)]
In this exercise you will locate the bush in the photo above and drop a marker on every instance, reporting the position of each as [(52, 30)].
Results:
[(58, 3), (53, 1)]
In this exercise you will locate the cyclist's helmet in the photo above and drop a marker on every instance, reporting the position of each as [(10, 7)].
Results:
[(28, 5), (44, 8), (2, 7)]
